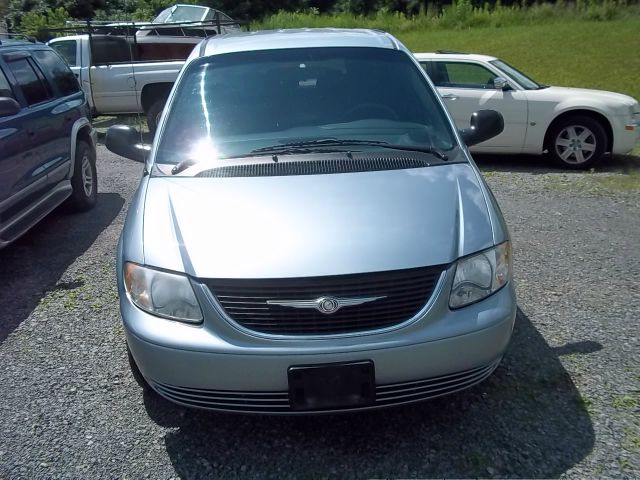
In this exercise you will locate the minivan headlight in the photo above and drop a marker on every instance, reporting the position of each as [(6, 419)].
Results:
[(480, 275), (161, 293)]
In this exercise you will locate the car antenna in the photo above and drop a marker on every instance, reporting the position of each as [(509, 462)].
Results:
[(133, 50)]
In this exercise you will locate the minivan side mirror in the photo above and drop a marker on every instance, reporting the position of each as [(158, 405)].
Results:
[(485, 124), (124, 140), (8, 107)]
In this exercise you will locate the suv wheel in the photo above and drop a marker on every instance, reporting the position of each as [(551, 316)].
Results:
[(576, 142), (85, 179)]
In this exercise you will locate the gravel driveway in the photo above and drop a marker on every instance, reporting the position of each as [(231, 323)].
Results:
[(564, 402)]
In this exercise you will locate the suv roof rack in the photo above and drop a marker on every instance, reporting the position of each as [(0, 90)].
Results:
[(16, 36), (451, 52)]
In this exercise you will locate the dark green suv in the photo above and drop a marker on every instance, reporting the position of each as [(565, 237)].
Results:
[(47, 143)]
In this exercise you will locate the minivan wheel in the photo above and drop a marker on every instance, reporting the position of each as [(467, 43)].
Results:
[(576, 142), (84, 180)]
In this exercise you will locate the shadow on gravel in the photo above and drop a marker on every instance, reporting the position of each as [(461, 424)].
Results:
[(578, 347), (539, 165), (527, 420), (32, 265)]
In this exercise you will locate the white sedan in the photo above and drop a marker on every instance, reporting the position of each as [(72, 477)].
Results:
[(574, 126)]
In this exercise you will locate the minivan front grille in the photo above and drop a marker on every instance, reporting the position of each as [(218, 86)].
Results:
[(393, 297)]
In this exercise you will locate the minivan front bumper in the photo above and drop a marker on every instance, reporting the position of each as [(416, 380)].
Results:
[(255, 380)]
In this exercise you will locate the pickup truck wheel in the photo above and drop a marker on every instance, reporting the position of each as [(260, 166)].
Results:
[(85, 179), (576, 142), (153, 114)]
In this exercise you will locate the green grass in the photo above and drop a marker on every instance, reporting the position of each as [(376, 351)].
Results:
[(596, 184), (555, 45), (627, 402), (579, 54), (461, 14), (622, 183)]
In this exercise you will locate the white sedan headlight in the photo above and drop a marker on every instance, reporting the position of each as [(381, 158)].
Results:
[(480, 275), (161, 293)]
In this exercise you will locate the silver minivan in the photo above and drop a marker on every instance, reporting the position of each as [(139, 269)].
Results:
[(310, 233)]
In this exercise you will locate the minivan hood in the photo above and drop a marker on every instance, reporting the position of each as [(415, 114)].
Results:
[(314, 225)]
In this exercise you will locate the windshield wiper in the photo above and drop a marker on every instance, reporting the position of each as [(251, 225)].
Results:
[(294, 147), (183, 165), (308, 147), (288, 149)]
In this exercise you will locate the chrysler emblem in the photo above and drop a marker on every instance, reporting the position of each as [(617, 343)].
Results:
[(326, 305)]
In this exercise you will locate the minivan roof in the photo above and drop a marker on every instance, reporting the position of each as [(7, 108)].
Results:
[(297, 38)]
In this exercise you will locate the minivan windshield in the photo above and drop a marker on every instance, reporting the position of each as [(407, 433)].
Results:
[(243, 104)]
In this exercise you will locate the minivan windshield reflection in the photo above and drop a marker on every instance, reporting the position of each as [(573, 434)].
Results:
[(256, 103)]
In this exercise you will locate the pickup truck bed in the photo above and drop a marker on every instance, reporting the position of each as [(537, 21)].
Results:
[(116, 85)]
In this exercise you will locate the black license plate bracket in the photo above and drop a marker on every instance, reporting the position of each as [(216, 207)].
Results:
[(332, 385)]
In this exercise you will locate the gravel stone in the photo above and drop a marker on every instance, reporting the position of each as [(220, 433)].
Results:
[(565, 401)]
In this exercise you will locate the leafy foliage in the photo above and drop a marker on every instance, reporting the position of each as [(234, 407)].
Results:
[(34, 16), (37, 24), (461, 14)]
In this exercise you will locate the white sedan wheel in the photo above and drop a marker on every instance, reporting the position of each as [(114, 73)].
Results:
[(575, 144)]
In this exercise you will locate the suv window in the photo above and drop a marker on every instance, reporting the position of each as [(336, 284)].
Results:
[(67, 50), (460, 75), (5, 88), (64, 78), (33, 85)]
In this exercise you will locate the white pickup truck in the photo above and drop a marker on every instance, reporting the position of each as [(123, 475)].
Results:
[(116, 85)]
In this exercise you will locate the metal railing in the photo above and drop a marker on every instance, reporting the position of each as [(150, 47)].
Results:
[(199, 28)]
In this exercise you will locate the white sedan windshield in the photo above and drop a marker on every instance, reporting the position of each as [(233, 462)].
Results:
[(524, 81)]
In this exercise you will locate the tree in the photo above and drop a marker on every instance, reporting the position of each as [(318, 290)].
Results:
[(37, 25)]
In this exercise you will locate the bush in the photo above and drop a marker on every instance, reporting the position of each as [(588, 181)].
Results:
[(461, 14), (37, 25)]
